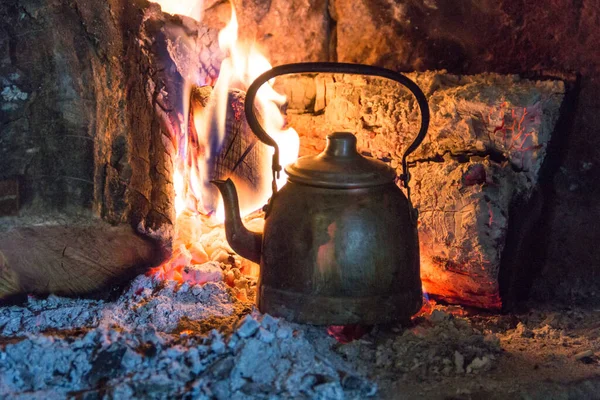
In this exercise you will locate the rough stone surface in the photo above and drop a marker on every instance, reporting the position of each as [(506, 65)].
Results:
[(486, 143), (286, 31), (470, 37)]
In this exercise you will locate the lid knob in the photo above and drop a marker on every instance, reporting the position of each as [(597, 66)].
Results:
[(341, 144), (340, 166)]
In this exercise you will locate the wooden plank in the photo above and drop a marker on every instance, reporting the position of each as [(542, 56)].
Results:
[(72, 259)]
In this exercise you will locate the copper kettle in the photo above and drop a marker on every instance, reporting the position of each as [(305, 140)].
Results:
[(340, 242)]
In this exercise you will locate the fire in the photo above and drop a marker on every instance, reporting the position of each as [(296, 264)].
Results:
[(179, 186), (198, 211), (190, 8), (242, 67)]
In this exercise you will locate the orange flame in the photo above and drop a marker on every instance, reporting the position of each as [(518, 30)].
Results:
[(242, 66), (195, 212)]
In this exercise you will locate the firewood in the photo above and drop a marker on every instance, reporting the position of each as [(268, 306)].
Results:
[(80, 257), (71, 259), (239, 156)]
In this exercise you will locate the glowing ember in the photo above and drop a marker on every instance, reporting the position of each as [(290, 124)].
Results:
[(427, 306), (198, 213)]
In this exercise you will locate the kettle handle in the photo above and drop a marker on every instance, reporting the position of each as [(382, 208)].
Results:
[(340, 68)]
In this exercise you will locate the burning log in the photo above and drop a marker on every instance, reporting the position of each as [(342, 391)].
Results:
[(481, 159), (241, 153), (238, 155)]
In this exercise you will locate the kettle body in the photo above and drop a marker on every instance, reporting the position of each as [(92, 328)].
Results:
[(343, 256)]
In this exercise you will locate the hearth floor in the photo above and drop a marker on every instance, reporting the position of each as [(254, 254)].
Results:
[(545, 352), (162, 339)]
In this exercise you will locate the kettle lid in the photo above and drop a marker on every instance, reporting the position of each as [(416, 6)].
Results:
[(340, 166)]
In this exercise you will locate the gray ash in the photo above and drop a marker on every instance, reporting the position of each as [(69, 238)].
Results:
[(136, 347)]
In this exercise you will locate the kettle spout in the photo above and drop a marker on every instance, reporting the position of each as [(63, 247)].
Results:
[(244, 242)]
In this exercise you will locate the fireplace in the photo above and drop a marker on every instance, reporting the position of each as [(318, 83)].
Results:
[(117, 275)]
